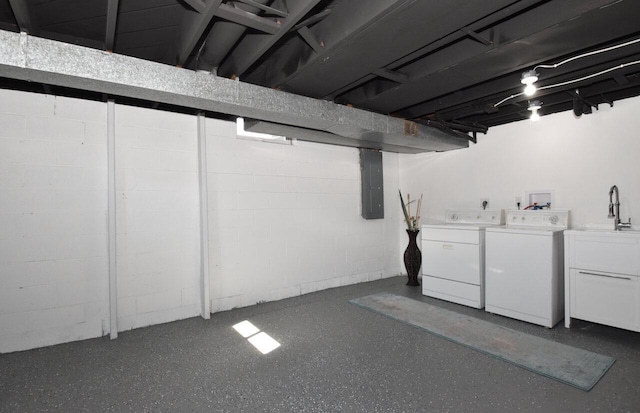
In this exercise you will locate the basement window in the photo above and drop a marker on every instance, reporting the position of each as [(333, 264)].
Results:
[(241, 133)]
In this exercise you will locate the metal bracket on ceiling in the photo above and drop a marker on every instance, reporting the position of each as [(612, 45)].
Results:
[(477, 37), (449, 128), (580, 104), (606, 100)]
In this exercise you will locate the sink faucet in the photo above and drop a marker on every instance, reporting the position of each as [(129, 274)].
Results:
[(617, 223)]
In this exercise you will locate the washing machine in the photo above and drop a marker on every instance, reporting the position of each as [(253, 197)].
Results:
[(524, 262), (453, 256)]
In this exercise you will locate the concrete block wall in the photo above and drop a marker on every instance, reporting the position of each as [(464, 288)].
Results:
[(157, 217), (53, 220), (285, 220)]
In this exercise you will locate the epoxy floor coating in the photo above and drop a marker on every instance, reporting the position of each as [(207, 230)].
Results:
[(334, 357)]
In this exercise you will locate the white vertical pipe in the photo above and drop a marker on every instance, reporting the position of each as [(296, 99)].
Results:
[(205, 305), (111, 171)]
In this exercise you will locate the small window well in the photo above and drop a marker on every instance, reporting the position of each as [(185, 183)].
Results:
[(241, 133)]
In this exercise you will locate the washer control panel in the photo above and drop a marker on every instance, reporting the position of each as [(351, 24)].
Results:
[(543, 218), (481, 216)]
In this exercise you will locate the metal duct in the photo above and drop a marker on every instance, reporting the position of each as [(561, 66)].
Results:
[(62, 64), (221, 39)]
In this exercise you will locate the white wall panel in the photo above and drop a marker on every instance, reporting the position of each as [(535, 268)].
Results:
[(578, 159), (285, 220), (157, 217), (53, 285)]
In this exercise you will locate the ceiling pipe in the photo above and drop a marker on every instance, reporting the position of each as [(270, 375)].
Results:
[(221, 39)]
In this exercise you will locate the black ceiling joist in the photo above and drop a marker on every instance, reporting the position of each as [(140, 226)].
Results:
[(112, 16), (193, 26), (237, 15), (24, 17)]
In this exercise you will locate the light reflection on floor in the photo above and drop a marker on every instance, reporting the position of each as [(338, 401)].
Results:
[(260, 340)]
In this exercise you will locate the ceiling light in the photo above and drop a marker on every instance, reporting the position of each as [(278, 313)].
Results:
[(534, 107), (528, 79)]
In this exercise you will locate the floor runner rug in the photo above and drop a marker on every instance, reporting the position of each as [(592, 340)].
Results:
[(570, 365)]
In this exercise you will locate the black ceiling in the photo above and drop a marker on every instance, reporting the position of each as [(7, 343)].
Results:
[(442, 63)]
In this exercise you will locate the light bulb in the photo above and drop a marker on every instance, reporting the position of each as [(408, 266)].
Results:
[(534, 116), (529, 77), (530, 89)]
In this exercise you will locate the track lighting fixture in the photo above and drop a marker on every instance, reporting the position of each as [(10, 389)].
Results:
[(528, 79), (531, 76), (534, 107)]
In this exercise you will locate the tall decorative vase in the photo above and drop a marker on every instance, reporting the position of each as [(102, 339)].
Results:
[(412, 258)]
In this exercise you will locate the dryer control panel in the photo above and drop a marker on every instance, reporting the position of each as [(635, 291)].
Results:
[(480, 216), (543, 218)]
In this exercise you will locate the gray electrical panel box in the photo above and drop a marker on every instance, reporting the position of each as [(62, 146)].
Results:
[(372, 188)]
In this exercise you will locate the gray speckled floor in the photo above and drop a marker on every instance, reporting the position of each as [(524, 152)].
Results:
[(334, 357)]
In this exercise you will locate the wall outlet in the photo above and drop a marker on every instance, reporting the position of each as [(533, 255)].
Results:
[(484, 203)]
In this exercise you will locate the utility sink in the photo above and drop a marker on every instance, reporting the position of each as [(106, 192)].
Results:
[(625, 233)]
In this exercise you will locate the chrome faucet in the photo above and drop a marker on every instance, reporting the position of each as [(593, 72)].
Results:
[(617, 224)]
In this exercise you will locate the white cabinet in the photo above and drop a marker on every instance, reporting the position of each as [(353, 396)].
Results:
[(603, 285)]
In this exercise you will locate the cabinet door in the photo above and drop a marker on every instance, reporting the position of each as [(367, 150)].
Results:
[(605, 298), (608, 254)]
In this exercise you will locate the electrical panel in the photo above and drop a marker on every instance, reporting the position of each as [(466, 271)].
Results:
[(372, 186)]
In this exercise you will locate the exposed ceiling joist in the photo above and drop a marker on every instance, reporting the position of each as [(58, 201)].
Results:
[(197, 5), (485, 41), (306, 34), (440, 42), (461, 68), (112, 17), (237, 15), (254, 46), (269, 10), (24, 17), (423, 60), (192, 28)]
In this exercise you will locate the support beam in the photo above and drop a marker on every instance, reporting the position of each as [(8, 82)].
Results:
[(193, 26), (205, 304), (111, 172), (41, 60), (112, 17), (237, 15), (252, 47), (23, 16), (307, 36)]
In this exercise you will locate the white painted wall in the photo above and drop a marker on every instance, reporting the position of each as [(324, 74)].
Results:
[(578, 159), (157, 217), (285, 220), (53, 229)]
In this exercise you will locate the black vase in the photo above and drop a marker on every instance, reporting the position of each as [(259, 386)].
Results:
[(412, 258)]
